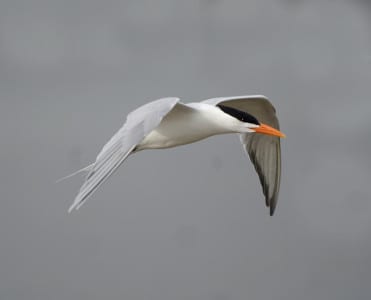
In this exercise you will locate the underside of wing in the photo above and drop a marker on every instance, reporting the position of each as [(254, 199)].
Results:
[(264, 150), (265, 154), (138, 124)]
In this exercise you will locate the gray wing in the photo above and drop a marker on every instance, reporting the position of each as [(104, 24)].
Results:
[(138, 124), (264, 150)]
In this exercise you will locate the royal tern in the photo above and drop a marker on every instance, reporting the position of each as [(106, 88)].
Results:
[(167, 122)]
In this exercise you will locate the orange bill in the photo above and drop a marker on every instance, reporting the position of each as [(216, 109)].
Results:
[(263, 128)]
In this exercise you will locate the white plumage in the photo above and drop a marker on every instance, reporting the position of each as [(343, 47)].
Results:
[(168, 123)]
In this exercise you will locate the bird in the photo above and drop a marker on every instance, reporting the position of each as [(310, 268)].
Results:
[(168, 122)]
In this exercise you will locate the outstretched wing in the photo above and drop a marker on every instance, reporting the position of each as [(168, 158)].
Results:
[(138, 124), (264, 150)]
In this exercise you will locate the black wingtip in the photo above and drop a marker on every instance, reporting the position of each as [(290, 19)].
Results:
[(271, 212), (272, 208)]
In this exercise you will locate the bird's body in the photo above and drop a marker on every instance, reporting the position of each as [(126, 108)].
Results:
[(167, 122), (187, 124)]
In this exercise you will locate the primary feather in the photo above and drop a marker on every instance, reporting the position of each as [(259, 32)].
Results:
[(138, 124)]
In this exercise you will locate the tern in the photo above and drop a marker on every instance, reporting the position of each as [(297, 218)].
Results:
[(167, 123)]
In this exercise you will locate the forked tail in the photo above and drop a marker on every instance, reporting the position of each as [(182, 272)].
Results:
[(86, 169)]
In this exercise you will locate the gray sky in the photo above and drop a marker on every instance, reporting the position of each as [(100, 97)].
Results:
[(170, 224)]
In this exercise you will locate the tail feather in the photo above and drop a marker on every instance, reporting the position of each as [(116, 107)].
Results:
[(85, 169)]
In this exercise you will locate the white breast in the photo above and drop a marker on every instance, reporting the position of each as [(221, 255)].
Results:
[(187, 124)]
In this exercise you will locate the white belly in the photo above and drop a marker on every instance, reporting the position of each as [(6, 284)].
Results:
[(180, 128)]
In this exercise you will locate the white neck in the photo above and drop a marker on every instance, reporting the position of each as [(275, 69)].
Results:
[(203, 120)]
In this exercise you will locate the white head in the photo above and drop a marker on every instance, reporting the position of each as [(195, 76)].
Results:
[(248, 123)]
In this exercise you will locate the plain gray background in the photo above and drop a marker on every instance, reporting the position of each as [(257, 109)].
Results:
[(185, 223)]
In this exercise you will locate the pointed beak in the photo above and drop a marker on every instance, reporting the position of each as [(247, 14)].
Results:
[(265, 129)]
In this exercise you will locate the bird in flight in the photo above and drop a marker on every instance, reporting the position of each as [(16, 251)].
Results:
[(167, 123)]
